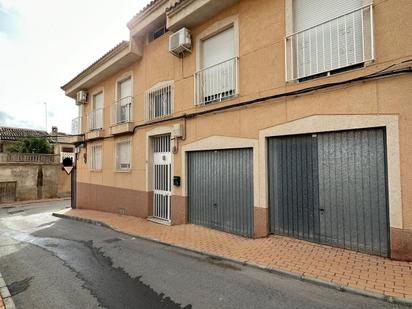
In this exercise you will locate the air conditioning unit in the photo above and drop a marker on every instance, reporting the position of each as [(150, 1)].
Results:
[(81, 97), (180, 42)]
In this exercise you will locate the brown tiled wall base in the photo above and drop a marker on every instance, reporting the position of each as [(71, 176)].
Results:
[(261, 222), (401, 244), (179, 210), (110, 199)]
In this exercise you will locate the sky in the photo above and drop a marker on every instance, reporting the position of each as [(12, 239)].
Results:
[(44, 44)]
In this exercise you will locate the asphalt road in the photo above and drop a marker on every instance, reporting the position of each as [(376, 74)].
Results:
[(58, 263)]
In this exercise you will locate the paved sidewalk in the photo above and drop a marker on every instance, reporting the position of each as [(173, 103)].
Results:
[(347, 269)]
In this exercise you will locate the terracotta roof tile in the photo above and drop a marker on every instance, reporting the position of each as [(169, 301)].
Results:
[(14, 134), (175, 5)]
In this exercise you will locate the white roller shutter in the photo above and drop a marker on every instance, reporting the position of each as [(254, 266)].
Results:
[(98, 101), (218, 48), (308, 13), (324, 42), (125, 88)]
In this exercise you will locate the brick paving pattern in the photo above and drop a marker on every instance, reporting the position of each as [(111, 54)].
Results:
[(358, 270)]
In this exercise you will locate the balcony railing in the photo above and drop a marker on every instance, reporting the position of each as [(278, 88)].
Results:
[(77, 126), (217, 82), (96, 119), (159, 101), (29, 158), (342, 42), (122, 111)]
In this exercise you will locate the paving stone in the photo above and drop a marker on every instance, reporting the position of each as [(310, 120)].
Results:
[(358, 270)]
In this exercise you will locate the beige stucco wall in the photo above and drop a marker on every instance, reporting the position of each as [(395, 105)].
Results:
[(262, 66)]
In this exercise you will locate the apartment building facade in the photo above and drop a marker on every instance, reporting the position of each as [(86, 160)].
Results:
[(288, 117)]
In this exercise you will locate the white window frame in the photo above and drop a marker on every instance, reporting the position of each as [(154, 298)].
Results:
[(92, 157), (221, 25), (117, 162), (368, 45), (216, 28), (148, 99), (93, 109), (114, 116)]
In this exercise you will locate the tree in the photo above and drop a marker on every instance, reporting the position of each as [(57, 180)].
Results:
[(32, 144)]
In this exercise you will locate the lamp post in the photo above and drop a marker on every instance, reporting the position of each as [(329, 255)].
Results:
[(45, 110)]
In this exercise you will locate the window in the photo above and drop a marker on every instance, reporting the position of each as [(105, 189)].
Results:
[(218, 48), (218, 75), (328, 37), (98, 101), (96, 116), (157, 32), (123, 155), (159, 101), (95, 161), (122, 109)]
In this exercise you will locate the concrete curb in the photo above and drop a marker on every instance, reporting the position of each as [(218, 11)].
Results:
[(20, 203), (299, 276), (5, 295)]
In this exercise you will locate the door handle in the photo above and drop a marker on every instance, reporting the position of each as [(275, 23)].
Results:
[(321, 209), (214, 205)]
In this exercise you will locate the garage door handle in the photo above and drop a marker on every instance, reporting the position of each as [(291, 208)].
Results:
[(321, 209), (214, 205)]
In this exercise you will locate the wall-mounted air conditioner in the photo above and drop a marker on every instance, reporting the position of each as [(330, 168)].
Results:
[(81, 97), (180, 42)]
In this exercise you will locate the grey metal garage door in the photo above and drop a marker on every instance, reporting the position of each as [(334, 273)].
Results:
[(220, 190), (331, 188)]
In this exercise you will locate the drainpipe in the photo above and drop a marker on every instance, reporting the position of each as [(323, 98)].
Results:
[(73, 174)]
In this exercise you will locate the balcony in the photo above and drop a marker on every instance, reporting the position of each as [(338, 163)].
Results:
[(77, 126), (218, 82), (159, 101), (95, 119), (122, 116), (342, 43), (77, 133)]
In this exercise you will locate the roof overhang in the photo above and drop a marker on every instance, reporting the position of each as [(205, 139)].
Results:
[(150, 18), (189, 13), (123, 55)]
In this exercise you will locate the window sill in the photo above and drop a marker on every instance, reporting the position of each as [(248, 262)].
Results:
[(123, 171)]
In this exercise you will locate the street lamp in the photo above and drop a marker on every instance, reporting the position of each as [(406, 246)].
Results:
[(45, 110)]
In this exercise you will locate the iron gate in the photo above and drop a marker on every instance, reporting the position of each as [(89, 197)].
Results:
[(220, 189), (331, 188), (162, 168)]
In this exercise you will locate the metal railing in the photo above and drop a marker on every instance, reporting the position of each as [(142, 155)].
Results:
[(159, 101), (122, 110), (96, 119), (218, 82), (77, 126), (29, 158), (343, 41)]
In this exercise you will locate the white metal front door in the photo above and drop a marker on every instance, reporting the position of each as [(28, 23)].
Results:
[(162, 170)]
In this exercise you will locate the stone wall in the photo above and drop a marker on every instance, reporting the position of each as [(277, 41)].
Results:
[(34, 181)]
